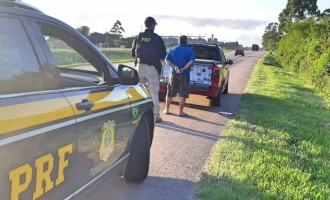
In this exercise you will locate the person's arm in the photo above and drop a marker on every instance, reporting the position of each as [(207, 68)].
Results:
[(188, 65), (133, 47), (191, 62), (176, 68)]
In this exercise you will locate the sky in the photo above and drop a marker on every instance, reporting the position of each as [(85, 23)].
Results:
[(243, 21)]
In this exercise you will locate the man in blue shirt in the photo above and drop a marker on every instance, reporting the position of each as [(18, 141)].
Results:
[(180, 59)]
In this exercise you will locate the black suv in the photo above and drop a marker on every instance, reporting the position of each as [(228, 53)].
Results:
[(67, 115), (255, 47), (239, 51)]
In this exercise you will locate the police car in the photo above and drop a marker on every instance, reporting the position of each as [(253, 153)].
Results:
[(68, 116)]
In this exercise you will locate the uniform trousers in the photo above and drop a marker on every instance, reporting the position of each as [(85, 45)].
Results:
[(149, 76)]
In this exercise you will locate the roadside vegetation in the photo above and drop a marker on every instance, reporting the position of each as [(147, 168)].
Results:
[(306, 51), (69, 58), (278, 144), (301, 41), (118, 56)]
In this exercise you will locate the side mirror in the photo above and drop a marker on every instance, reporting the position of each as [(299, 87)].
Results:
[(229, 62), (127, 75)]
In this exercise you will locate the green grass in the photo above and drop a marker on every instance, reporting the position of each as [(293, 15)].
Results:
[(278, 145), (118, 56), (70, 58)]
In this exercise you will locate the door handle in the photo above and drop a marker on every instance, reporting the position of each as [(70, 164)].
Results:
[(84, 105)]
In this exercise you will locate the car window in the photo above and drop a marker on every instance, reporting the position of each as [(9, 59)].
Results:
[(205, 52), (19, 68), (73, 59), (222, 56)]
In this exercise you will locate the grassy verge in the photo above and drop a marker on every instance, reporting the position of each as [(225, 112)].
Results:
[(278, 145), (70, 58), (118, 56)]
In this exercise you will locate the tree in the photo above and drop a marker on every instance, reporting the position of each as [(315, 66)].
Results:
[(84, 30), (326, 12), (271, 27), (127, 42), (97, 38), (297, 10), (271, 36), (117, 29)]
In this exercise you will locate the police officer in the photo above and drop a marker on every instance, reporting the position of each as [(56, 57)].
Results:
[(148, 48)]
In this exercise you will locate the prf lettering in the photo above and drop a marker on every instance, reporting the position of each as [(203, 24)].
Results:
[(145, 39), (44, 166)]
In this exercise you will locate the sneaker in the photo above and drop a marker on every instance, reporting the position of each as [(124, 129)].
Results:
[(158, 119)]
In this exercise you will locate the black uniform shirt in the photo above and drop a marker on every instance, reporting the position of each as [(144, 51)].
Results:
[(149, 48)]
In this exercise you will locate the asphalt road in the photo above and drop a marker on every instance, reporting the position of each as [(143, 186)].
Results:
[(182, 145)]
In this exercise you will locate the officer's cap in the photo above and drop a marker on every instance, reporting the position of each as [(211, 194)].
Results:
[(150, 20)]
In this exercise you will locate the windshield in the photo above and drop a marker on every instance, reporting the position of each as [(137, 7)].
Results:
[(206, 52)]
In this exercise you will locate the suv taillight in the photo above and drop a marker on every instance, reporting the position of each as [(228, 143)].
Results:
[(215, 70)]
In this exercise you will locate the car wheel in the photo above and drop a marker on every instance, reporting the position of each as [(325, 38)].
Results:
[(216, 100), (225, 91), (161, 96), (138, 162)]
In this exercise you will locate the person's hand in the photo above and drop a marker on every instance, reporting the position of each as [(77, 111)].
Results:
[(178, 70)]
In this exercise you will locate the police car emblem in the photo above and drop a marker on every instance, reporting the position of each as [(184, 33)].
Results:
[(135, 114), (108, 140)]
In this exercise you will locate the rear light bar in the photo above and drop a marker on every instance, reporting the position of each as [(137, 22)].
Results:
[(215, 70)]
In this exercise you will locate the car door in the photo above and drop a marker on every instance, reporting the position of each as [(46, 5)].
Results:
[(102, 107), (37, 124)]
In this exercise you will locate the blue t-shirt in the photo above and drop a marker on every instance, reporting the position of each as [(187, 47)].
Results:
[(180, 56)]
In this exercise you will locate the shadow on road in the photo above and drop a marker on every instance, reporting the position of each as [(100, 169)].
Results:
[(181, 129), (253, 56), (120, 189)]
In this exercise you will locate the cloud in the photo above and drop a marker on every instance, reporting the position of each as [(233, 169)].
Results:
[(224, 23), (249, 39)]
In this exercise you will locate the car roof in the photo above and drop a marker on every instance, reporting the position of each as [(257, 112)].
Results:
[(203, 44), (17, 7), (18, 4), (211, 45)]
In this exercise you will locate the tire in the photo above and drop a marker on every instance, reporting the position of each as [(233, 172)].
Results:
[(225, 91), (162, 96), (216, 100), (138, 162)]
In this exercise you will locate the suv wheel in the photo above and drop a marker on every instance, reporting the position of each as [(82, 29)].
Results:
[(138, 163), (216, 100), (161, 96), (225, 91)]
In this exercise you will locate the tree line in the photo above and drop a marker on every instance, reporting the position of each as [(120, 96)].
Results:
[(301, 40), (113, 38)]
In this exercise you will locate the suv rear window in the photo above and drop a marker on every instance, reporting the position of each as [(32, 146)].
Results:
[(206, 52)]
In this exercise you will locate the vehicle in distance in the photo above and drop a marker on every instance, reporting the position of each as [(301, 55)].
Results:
[(239, 51), (67, 115), (255, 47), (208, 77)]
